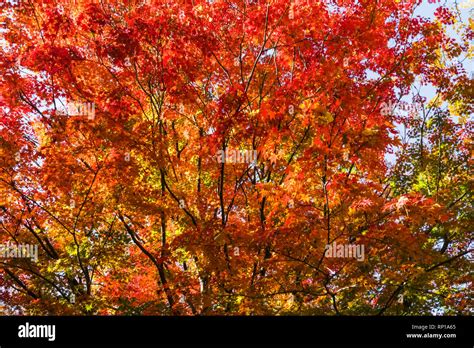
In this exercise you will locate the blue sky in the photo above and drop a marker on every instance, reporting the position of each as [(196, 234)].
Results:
[(426, 9)]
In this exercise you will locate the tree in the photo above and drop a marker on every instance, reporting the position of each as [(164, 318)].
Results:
[(199, 157)]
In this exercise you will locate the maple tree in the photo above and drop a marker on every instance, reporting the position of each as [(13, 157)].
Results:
[(114, 119)]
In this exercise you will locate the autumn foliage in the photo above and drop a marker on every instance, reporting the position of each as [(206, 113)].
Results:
[(112, 115)]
